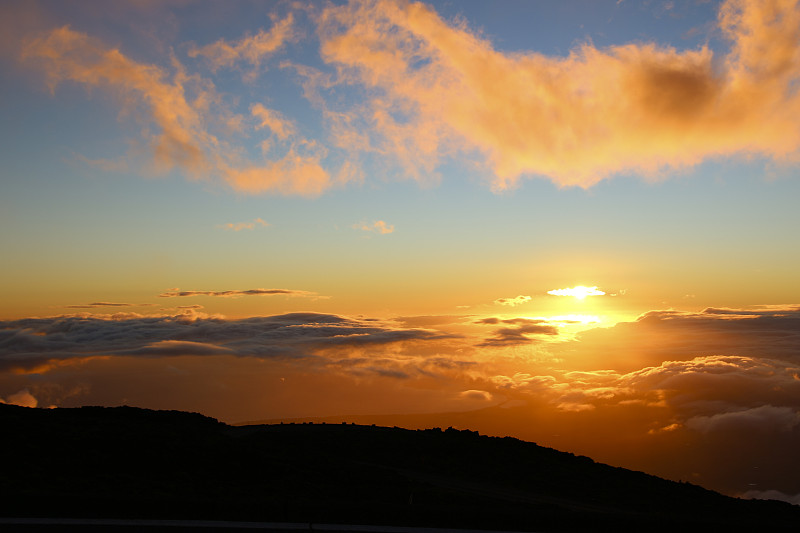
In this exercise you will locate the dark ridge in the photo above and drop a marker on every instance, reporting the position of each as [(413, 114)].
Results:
[(124, 462)]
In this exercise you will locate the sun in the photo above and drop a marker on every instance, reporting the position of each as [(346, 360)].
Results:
[(580, 292)]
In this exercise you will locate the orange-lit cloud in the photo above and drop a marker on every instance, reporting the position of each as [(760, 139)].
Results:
[(379, 226), (435, 88), (480, 395), (22, 398), (580, 292), (183, 108), (274, 121), (432, 90), (512, 302), (294, 173), (251, 49), (239, 226), (68, 55)]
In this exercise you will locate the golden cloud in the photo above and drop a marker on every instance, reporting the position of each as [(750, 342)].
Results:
[(379, 226), (432, 90), (252, 49), (184, 139), (436, 88)]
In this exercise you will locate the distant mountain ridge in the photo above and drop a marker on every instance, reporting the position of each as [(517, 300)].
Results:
[(124, 462)]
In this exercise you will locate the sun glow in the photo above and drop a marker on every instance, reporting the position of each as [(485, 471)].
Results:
[(580, 292)]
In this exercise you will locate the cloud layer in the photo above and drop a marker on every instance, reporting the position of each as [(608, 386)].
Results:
[(185, 110), (34, 344), (710, 396), (435, 87), (397, 81)]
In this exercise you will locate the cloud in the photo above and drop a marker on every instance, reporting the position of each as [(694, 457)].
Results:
[(250, 49), (783, 419), (511, 302), (410, 88), (22, 398), (174, 347), (518, 334), (67, 55), (185, 109), (273, 120), (294, 173), (95, 305), (379, 226), (237, 293), (433, 88), (658, 336), (480, 395), (525, 381), (772, 495), (38, 343), (239, 226), (579, 292), (706, 394)]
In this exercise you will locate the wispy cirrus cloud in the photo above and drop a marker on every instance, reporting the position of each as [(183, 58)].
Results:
[(253, 49), (274, 121), (175, 293), (95, 305), (186, 111)]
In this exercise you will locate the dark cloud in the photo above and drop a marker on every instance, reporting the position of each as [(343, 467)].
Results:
[(29, 343), (95, 305), (512, 302), (518, 333), (658, 336), (516, 321), (755, 419), (235, 293)]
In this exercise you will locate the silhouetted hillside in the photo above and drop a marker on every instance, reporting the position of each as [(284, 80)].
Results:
[(133, 463)]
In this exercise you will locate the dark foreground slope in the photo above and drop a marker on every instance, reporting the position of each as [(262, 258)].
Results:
[(122, 462)]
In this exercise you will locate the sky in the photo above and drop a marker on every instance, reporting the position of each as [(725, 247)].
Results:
[(569, 222)]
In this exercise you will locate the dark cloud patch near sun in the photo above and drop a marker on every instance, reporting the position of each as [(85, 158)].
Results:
[(668, 335), (517, 332)]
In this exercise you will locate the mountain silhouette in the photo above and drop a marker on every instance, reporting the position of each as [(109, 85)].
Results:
[(124, 462)]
